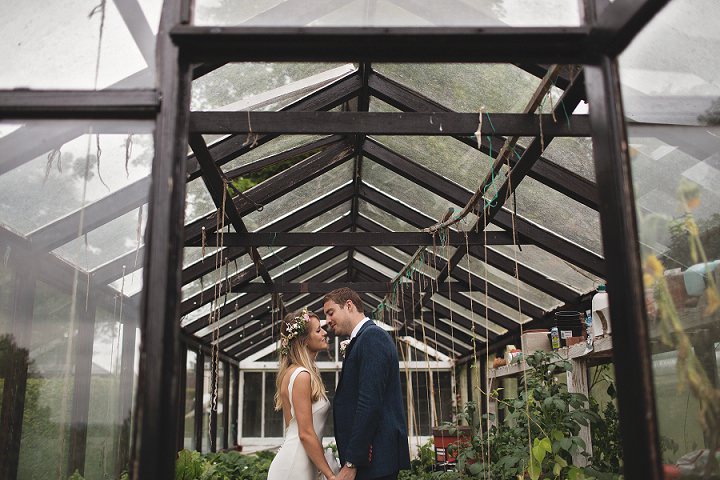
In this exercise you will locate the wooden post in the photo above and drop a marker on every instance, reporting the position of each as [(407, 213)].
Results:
[(577, 382)]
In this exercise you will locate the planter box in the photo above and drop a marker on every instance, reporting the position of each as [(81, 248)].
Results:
[(444, 437)]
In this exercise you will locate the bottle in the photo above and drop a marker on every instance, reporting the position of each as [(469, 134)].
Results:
[(600, 313), (555, 338), (588, 328)]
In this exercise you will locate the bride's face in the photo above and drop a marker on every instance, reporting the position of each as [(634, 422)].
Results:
[(317, 338)]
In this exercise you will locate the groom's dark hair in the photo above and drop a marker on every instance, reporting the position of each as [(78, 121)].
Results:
[(342, 295)]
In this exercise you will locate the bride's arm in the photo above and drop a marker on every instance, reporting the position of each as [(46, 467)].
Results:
[(302, 401)]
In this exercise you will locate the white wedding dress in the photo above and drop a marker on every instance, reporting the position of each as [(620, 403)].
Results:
[(292, 462)]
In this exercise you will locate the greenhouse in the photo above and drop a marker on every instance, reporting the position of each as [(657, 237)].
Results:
[(523, 198)]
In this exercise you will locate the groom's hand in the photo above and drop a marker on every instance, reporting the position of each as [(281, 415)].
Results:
[(346, 474)]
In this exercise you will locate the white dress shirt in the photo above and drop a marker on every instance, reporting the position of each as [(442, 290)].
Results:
[(357, 328)]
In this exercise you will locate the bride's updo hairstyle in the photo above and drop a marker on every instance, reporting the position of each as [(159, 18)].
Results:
[(293, 351)]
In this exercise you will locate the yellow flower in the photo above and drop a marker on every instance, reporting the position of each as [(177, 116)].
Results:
[(713, 301), (648, 280), (654, 267)]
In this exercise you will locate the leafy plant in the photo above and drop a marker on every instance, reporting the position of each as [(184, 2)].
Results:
[(222, 466), (540, 434)]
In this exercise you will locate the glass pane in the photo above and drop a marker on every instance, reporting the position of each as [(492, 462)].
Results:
[(380, 216), (62, 173), (300, 196), (273, 147), (80, 378), (405, 191), (676, 180), (669, 72), (508, 283), (471, 87), (273, 419), (198, 201), (551, 266), (261, 86), (445, 156), (79, 44), (120, 236), (189, 412), (251, 404), (369, 13), (558, 213), (573, 153)]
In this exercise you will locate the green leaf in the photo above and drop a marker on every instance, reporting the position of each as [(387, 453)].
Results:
[(565, 443), (546, 444), (475, 468), (538, 453)]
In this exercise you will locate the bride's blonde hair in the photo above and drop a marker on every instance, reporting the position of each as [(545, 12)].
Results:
[(294, 333)]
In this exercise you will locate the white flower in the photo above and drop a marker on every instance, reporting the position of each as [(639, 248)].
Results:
[(343, 347)]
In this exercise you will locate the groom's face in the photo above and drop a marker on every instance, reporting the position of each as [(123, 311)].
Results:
[(338, 317)]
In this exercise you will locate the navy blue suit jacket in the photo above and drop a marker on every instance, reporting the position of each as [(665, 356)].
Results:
[(368, 409)]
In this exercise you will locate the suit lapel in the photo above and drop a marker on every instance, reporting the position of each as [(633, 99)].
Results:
[(349, 348)]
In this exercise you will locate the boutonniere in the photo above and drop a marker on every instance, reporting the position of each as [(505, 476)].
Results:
[(343, 347)]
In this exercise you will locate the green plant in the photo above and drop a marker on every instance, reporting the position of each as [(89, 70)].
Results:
[(230, 465), (607, 449), (421, 467), (540, 434)]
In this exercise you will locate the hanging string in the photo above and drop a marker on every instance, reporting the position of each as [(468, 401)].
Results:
[(487, 335), (517, 286), (474, 347), (97, 160)]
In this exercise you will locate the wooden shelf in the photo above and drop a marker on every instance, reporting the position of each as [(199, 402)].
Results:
[(602, 348)]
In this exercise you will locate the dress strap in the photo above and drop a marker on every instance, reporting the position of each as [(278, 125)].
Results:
[(290, 386)]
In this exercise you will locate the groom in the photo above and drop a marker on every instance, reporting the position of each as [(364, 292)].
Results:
[(369, 420)]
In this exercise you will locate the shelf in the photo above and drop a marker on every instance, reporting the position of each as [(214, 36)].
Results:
[(602, 348)]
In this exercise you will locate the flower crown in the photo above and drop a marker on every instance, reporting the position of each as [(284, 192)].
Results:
[(296, 327)]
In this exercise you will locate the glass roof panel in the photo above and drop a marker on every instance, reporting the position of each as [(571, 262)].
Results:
[(558, 213), (261, 86), (59, 175), (131, 284), (498, 306), (467, 87), (551, 266), (198, 201), (56, 44), (477, 317), (301, 196), (507, 282), (405, 190), (122, 235), (573, 153), (325, 219), (277, 145), (680, 84), (376, 266), (386, 13), (445, 156), (378, 215)]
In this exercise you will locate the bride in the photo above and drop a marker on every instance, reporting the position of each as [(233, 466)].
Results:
[(301, 396)]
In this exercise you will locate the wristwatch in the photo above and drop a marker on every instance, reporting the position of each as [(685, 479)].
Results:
[(350, 465)]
